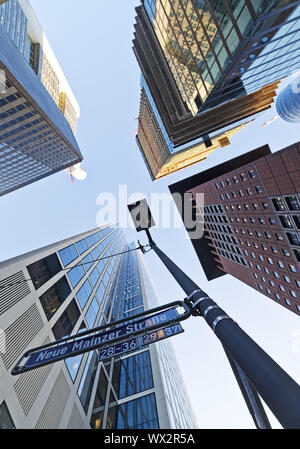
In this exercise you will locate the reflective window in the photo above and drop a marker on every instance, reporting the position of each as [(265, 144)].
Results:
[(278, 204), (92, 313), (44, 270), (68, 254), (293, 203), (82, 246), (75, 275), (138, 414), (90, 241), (100, 292), (87, 262), (53, 298), (65, 324), (94, 277), (87, 380), (84, 293), (132, 375)]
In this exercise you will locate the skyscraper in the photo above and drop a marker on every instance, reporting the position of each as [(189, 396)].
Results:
[(61, 290), (211, 64), (21, 24), (252, 221), (36, 140)]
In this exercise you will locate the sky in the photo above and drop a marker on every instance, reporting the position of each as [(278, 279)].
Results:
[(93, 44)]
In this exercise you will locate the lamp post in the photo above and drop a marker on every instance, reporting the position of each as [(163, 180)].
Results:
[(256, 372)]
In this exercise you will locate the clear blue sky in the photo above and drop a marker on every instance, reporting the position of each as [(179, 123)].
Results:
[(93, 43)]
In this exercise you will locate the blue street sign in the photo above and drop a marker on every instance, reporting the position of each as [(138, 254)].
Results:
[(138, 342), (85, 344)]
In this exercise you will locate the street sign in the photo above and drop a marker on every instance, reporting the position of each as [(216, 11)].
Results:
[(139, 342), (80, 345)]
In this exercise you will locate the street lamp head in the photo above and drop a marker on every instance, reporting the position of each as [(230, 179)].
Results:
[(141, 215)]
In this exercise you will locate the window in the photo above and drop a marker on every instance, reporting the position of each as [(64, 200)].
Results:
[(138, 414), (285, 252), (276, 275), (268, 235), (274, 249), (235, 179), (265, 205), (53, 298), (288, 302), (87, 262), (67, 255), (278, 236), (286, 221), (252, 174), (87, 380), (278, 204), (272, 221), (255, 206), (75, 275), (293, 268), (66, 323), (293, 238), (132, 375), (94, 277), (90, 241), (297, 254), (280, 264), (297, 221), (243, 177), (5, 419), (44, 270), (82, 246), (287, 279), (258, 189), (293, 203), (249, 191), (92, 313), (83, 294), (261, 220)]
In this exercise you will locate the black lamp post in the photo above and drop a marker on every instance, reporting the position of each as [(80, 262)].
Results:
[(256, 372)]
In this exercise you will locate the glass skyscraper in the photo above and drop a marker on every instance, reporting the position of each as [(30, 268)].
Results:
[(36, 140), (208, 66), (78, 284)]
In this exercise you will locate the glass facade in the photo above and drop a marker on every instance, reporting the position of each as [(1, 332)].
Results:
[(219, 49), (101, 280), (15, 23)]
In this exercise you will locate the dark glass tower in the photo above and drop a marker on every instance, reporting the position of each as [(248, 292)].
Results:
[(75, 285), (209, 65)]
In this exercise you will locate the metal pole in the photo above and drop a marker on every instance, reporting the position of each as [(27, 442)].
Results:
[(279, 391), (250, 395)]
